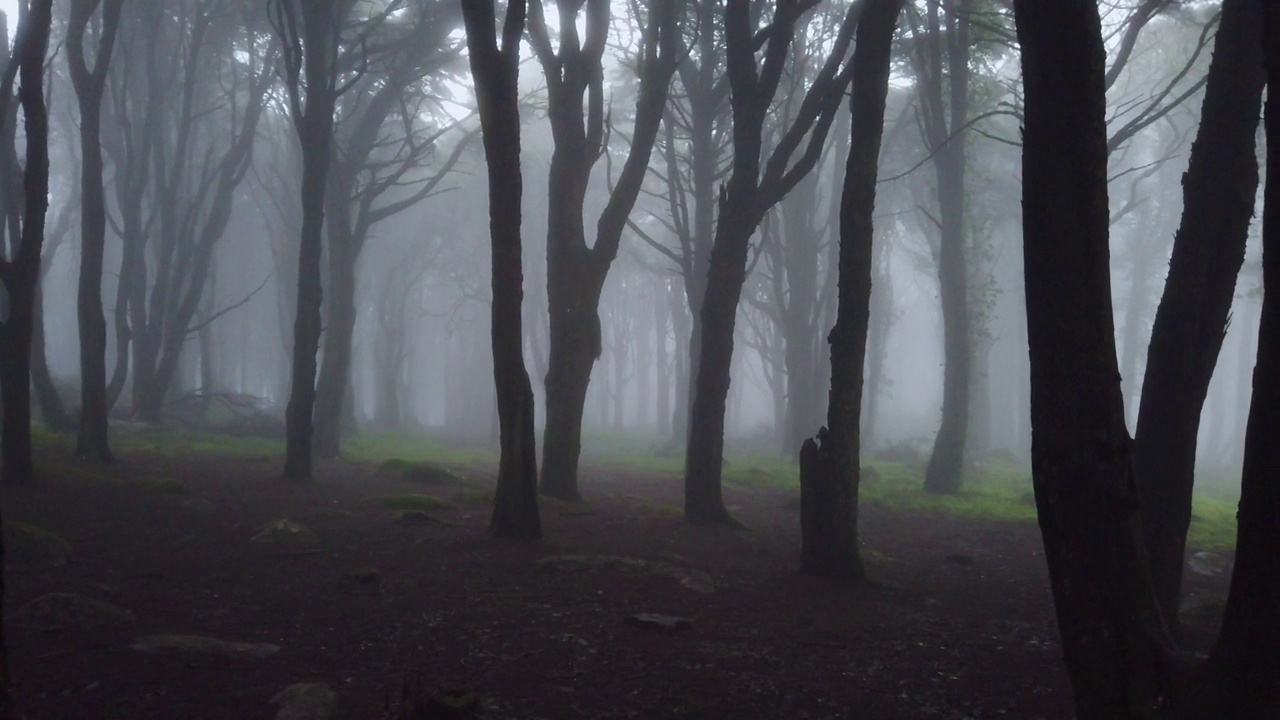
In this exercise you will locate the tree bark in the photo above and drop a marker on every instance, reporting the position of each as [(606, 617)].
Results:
[(495, 73), (829, 468), (89, 84), (1114, 641), (1245, 662), (1219, 192), (743, 202), (576, 272), (946, 136), (20, 272), (317, 42)]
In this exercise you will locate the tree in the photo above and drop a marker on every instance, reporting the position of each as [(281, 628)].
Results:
[(1112, 634), (575, 271), (753, 188), (829, 468), (495, 71), (180, 152), (1190, 324), (310, 33), (383, 137), (20, 269), (89, 83), (1245, 662), (944, 103)]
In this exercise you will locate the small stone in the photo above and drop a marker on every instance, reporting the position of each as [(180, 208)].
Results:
[(306, 701), (655, 621), (197, 645)]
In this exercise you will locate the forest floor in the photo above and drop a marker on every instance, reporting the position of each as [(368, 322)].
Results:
[(382, 587)]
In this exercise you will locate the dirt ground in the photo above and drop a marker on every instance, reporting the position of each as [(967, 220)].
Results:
[(960, 625)]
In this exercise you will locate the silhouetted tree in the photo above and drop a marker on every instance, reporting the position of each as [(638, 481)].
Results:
[(575, 271), (829, 468), (495, 72), (311, 33), (20, 265), (756, 184), (383, 138), (1219, 192), (90, 82), (1245, 662)]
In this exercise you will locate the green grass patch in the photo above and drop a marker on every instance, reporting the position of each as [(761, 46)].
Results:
[(1213, 523), (408, 501)]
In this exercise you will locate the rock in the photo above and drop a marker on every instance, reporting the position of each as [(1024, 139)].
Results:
[(1207, 563), (197, 645), (420, 517), (287, 532), (66, 610), (655, 621), (30, 545), (306, 701)]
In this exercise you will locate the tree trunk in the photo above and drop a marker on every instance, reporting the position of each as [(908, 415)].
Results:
[(20, 272), (335, 368), (1115, 644), (1190, 323), (318, 42), (89, 84), (52, 410), (1246, 659), (946, 136), (829, 468), (494, 71)]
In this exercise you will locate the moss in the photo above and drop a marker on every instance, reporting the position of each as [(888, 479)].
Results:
[(408, 501), (423, 473), (29, 545)]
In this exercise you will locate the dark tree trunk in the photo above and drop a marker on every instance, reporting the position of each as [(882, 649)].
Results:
[(576, 272), (1219, 189), (800, 326), (829, 468), (20, 272), (1114, 640), (945, 471), (316, 41), (1246, 658), (335, 370), (743, 202), (89, 83), (495, 72), (52, 410)]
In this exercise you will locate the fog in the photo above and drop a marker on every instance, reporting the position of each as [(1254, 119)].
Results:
[(420, 358)]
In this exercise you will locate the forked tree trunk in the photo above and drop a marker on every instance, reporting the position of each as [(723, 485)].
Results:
[(20, 272), (89, 83), (1116, 647), (495, 73), (311, 31), (1245, 662), (1191, 321), (829, 469)]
